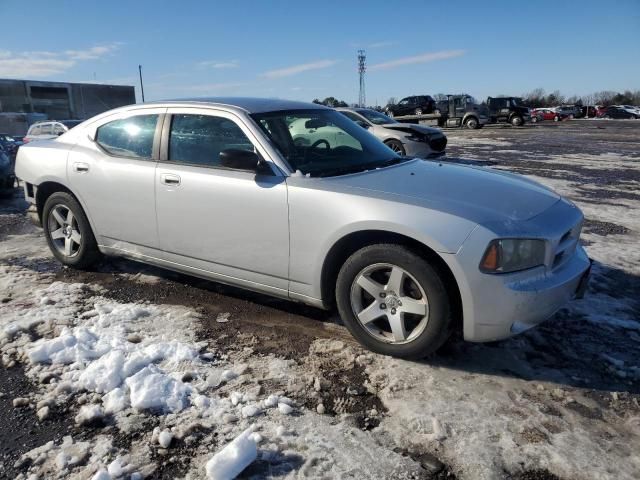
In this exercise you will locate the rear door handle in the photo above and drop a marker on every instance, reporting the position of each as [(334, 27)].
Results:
[(81, 167), (170, 179)]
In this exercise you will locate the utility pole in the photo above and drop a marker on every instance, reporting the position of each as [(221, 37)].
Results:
[(362, 67), (141, 85)]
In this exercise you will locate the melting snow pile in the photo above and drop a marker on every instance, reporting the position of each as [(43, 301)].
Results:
[(100, 359)]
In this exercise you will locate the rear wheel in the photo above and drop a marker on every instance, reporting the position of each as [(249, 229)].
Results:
[(68, 232), (396, 146), (534, 119), (471, 123), (556, 118), (393, 301), (418, 111), (517, 121)]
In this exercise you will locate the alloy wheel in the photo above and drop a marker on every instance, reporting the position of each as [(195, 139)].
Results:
[(64, 230), (389, 303), (395, 147)]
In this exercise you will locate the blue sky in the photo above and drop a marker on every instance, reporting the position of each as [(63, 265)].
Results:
[(305, 50)]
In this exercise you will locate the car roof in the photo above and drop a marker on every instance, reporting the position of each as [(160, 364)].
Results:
[(248, 104)]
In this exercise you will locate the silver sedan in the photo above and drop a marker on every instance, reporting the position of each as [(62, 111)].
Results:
[(408, 139), (297, 201)]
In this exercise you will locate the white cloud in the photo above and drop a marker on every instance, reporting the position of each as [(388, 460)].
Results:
[(93, 53), (46, 64), (219, 65), (295, 69), (424, 58)]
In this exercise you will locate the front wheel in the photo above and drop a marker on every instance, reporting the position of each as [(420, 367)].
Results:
[(471, 123), (68, 232), (534, 119), (556, 118), (517, 121), (418, 111), (396, 146), (393, 301)]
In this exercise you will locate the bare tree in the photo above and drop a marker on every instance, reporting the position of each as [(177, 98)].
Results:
[(392, 101)]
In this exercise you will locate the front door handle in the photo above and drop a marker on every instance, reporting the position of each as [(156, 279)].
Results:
[(170, 179), (81, 167)]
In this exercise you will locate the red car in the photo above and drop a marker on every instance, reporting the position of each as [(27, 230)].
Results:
[(546, 114)]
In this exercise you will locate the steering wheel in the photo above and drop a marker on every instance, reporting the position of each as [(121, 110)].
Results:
[(317, 143)]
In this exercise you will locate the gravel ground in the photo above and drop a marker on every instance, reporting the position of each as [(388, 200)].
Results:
[(575, 379)]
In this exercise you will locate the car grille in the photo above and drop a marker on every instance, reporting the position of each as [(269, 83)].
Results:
[(566, 245), (438, 144)]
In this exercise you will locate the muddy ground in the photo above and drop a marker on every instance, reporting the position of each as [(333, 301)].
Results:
[(565, 351)]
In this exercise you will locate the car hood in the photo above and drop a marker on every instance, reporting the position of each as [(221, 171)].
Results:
[(478, 194), (412, 127)]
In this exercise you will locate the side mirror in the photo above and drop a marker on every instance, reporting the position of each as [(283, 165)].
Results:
[(364, 125), (239, 159)]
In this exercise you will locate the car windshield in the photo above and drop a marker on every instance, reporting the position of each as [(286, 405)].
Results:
[(324, 143), (376, 118)]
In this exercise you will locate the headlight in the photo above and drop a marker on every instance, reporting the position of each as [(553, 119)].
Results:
[(418, 137), (512, 254)]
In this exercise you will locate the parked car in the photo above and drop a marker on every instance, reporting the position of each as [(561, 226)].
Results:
[(617, 112), (630, 108), (508, 109), (50, 129), (406, 249), (7, 175), (566, 112), (10, 144), (537, 115), (403, 138), (414, 105), (550, 114)]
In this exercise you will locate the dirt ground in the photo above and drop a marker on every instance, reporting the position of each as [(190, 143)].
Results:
[(578, 374)]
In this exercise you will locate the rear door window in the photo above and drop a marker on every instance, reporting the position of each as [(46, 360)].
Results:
[(128, 137), (46, 129)]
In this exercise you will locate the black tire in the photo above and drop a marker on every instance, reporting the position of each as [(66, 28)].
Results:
[(418, 111), (534, 119), (556, 118), (87, 253), (396, 146), (471, 123), (438, 319), (517, 121)]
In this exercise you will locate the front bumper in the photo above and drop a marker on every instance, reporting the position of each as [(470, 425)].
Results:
[(514, 303), (496, 306), (414, 148)]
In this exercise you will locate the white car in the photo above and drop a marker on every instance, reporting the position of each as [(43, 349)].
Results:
[(408, 139), (48, 130)]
